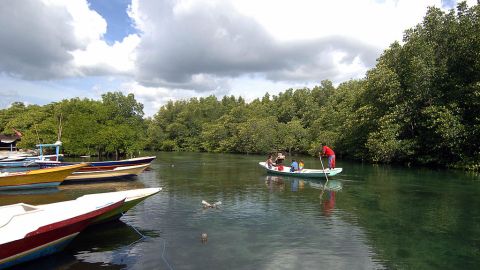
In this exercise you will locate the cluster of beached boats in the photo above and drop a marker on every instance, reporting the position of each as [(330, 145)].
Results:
[(31, 231), (53, 173)]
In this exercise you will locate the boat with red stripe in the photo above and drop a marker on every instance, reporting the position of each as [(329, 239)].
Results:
[(106, 165), (28, 232)]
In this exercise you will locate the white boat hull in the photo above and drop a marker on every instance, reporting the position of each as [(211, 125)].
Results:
[(305, 173)]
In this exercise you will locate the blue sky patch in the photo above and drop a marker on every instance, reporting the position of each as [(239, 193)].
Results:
[(119, 25), (449, 3)]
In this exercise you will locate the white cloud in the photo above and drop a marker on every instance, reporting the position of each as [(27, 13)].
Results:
[(54, 39), (154, 97), (188, 48), (182, 41), (99, 58)]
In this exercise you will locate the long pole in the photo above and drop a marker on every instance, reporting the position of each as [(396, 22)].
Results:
[(323, 168)]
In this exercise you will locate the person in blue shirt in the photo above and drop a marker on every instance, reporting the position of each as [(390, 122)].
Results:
[(294, 166)]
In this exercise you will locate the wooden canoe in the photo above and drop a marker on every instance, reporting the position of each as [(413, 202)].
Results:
[(28, 232), (132, 198), (117, 172), (114, 163), (42, 178)]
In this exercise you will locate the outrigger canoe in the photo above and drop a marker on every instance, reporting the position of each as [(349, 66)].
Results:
[(42, 178), (306, 173), (28, 232)]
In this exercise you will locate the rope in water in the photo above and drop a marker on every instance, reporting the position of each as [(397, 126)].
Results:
[(143, 237)]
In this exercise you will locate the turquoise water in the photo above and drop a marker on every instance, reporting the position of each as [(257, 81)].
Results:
[(369, 217)]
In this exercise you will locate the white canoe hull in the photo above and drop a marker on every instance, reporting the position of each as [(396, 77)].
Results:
[(305, 173)]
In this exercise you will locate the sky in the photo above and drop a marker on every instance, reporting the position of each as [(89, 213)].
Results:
[(163, 50)]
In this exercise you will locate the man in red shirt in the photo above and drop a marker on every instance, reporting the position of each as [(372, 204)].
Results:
[(328, 152)]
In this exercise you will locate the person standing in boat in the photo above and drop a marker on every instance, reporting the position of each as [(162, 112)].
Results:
[(279, 161), (269, 162), (328, 152)]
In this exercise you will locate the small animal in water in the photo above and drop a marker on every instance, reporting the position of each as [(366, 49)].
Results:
[(208, 205), (204, 238)]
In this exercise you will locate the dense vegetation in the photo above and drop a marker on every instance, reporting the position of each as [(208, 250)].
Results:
[(420, 104), (113, 125)]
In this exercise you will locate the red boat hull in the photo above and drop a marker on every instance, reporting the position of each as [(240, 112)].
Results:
[(48, 239)]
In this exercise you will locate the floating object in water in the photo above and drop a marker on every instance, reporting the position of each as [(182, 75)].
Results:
[(208, 205), (204, 238)]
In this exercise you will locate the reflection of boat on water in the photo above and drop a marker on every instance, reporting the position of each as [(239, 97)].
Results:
[(23, 192), (109, 252), (114, 244), (305, 173), (106, 237), (274, 182), (332, 185)]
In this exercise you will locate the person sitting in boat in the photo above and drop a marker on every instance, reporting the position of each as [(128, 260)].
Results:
[(269, 162), (301, 164), (294, 166), (279, 161)]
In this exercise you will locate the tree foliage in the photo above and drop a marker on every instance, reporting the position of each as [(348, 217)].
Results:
[(114, 125), (419, 104)]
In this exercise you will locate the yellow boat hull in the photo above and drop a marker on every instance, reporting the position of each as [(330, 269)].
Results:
[(41, 178)]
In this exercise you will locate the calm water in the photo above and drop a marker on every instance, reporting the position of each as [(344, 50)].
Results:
[(370, 217)]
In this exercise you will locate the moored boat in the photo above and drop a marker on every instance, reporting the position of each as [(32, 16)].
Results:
[(306, 173), (28, 232), (117, 172), (17, 162), (132, 198), (42, 178), (107, 164)]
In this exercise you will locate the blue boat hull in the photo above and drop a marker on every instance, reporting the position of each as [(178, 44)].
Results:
[(48, 249)]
